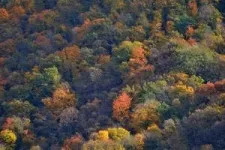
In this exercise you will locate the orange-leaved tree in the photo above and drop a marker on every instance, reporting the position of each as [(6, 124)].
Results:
[(70, 57), (3, 14), (70, 53), (220, 85), (61, 99), (121, 106), (207, 89), (75, 142)]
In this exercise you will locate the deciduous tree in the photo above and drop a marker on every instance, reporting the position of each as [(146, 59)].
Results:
[(121, 106), (62, 98)]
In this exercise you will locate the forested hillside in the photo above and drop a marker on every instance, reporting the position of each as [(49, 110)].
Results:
[(112, 74)]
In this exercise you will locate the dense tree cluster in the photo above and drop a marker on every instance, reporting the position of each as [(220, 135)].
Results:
[(112, 74)]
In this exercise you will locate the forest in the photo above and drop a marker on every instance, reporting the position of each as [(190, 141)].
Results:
[(112, 74)]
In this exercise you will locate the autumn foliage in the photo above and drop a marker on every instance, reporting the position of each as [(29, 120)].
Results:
[(85, 27), (17, 11), (189, 32), (8, 136), (220, 85), (62, 98), (104, 59), (112, 74), (192, 4), (144, 115), (73, 143), (103, 135), (121, 106), (69, 53), (3, 14), (208, 89)]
